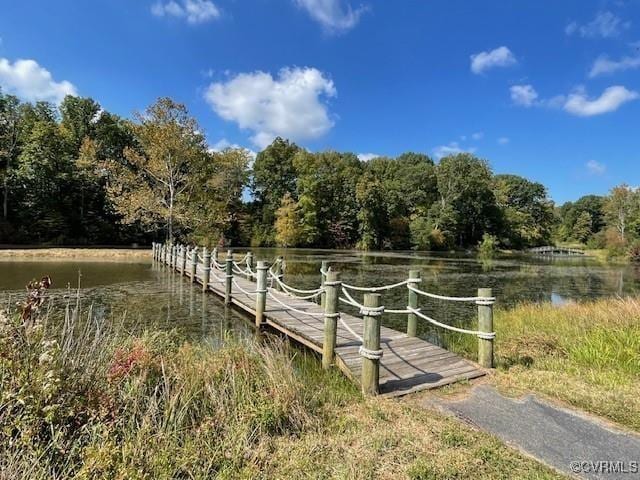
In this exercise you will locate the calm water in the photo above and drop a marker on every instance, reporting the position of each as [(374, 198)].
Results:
[(147, 295)]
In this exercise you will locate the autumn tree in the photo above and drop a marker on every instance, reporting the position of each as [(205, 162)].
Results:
[(287, 225), (622, 209), (153, 188)]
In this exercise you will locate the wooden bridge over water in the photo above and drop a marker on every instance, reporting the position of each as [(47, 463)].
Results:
[(382, 360)]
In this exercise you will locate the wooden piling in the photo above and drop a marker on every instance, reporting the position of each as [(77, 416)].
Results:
[(485, 325), (332, 288), (277, 272), (261, 291), (324, 268), (228, 277), (249, 265), (183, 260), (371, 344), (194, 264), (412, 318), (206, 268)]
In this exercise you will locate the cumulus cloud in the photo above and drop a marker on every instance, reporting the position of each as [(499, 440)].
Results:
[(193, 11), (523, 95), (604, 25), (334, 15), (578, 103), (604, 65), (291, 105), (365, 157), (595, 168), (32, 82), (224, 144), (452, 148), (500, 57)]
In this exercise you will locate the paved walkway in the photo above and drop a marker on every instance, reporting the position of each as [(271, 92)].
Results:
[(568, 441)]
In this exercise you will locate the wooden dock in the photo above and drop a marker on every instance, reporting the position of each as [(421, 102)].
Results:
[(553, 251), (408, 363)]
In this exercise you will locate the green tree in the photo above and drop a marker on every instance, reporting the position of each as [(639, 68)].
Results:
[(9, 135), (582, 227), (288, 229), (527, 213), (622, 210), (153, 188)]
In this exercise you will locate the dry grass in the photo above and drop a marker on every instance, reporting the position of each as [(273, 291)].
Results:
[(584, 354), (88, 254)]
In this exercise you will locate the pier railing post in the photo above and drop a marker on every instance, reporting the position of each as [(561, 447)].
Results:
[(485, 325), (370, 350), (249, 265), (412, 318), (194, 264), (206, 268), (174, 248), (214, 255), (167, 254), (331, 289), (228, 277), (324, 268), (278, 272), (261, 291), (183, 263)]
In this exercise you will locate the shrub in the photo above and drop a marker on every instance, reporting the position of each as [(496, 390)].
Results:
[(488, 246)]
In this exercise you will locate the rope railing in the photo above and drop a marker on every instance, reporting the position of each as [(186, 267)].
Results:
[(206, 269), (487, 300), (477, 333)]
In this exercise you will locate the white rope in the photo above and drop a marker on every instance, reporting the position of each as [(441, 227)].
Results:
[(484, 300), (484, 335), (375, 289), (370, 354), (218, 279), (293, 289), (364, 310), (243, 290), (349, 329), (293, 309)]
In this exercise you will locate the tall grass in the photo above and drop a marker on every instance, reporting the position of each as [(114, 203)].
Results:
[(586, 354), (86, 399)]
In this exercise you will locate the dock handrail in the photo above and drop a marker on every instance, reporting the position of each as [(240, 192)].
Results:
[(333, 291)]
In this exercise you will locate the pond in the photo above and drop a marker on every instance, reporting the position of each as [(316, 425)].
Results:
[(149, 296)]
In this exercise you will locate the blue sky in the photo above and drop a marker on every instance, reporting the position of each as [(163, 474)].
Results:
[(546, 89)]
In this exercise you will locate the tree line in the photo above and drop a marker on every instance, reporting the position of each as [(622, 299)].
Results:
[(77, 174)]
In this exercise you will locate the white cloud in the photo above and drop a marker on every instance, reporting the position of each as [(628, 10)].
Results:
[(332, 14), (194, 11), (604, 25), (452, 148), (31, 82), (595, 168), (503, 140), (604, 65), (500, 57), (477, 135), (290, 105), (365, 157), (611, 99), (224, 144), (523, 95)]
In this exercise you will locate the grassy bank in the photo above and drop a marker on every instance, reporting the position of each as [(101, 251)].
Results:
[(584, 354), (84, 401), (88, 254)]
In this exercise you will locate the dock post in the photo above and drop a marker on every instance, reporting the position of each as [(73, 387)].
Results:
[(370, 350), (161, 253), (249, 265), (485, 325), (412, 318), (194, 264), (261, 291), (228, 277), (173, 257), (278, 272), (167, 254), (183, 264), (214, 255), (206, 268), (331, 289), (324, 268), (153, 251)]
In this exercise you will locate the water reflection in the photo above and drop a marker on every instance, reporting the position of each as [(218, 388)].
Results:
[(151, 296)]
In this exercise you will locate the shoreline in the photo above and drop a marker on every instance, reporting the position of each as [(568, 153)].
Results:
[(81, 254)]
